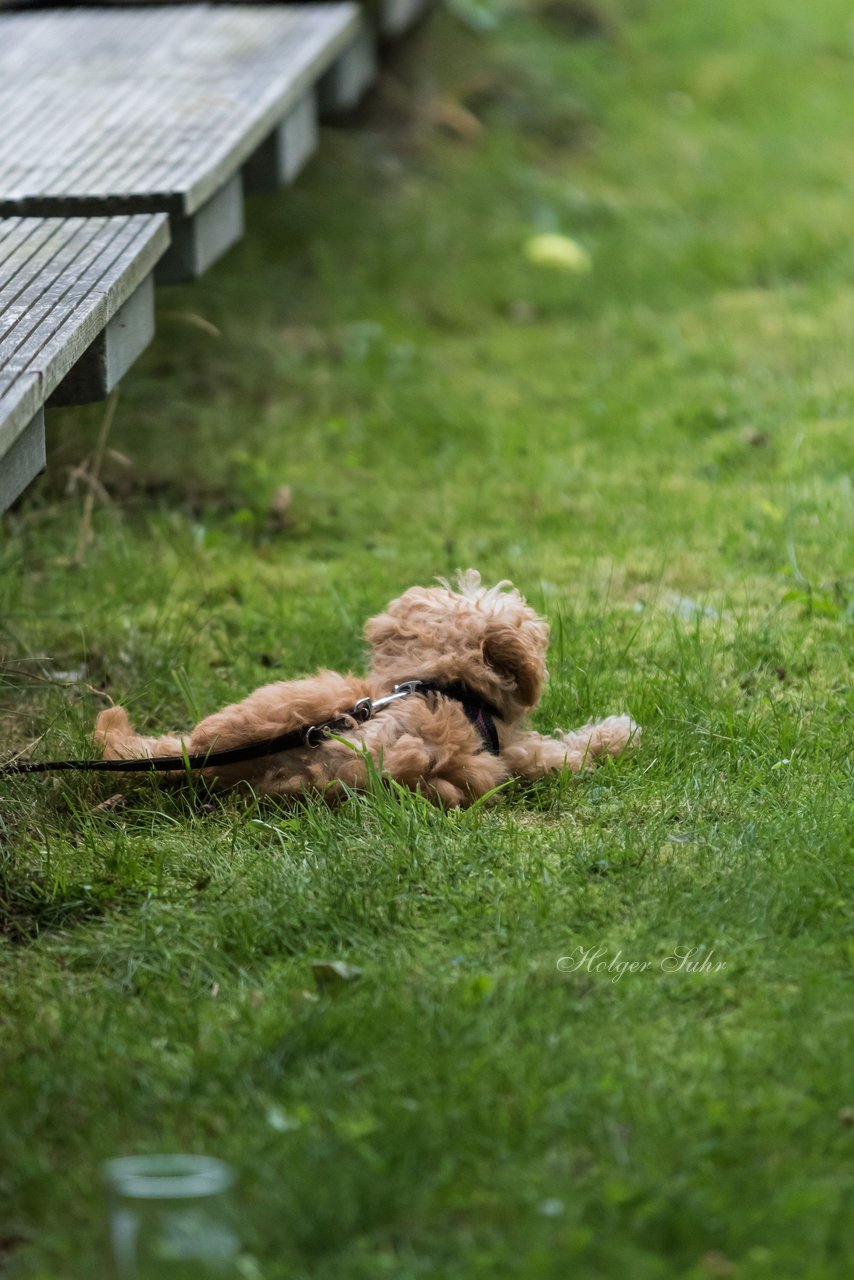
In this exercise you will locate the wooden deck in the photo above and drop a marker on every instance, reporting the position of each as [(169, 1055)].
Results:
[(389, 18), (161, 109), (76, 308), (128, 136)]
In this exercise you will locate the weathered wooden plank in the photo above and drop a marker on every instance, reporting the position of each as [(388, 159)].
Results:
[(55, 301), (391, 17), (73, 292), (138, 109), (44, 284)]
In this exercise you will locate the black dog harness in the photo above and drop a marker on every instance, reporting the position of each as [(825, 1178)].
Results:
[(481, 714)]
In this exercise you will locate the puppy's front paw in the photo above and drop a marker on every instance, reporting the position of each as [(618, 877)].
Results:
[(609, 737), (619, 733)]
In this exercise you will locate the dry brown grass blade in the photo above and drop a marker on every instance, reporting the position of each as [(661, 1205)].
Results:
[(194, 320), (457, 119)]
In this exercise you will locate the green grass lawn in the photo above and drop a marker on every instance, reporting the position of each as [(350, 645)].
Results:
[(659, 453)]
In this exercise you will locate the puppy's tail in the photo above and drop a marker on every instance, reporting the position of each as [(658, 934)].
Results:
[(118, 740)]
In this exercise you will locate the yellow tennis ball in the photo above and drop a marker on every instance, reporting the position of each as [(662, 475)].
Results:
[(553, 250)]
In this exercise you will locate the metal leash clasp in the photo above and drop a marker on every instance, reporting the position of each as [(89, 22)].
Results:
[(402, 690), (409, 686), (361, 712)]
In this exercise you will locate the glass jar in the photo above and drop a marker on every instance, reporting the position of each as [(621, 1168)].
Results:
[(171, 1218)]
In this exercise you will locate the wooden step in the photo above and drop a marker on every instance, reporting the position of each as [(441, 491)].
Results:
[(162, 108), (76, 309)]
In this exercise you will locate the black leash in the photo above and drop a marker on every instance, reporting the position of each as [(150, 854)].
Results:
[(479, 713)]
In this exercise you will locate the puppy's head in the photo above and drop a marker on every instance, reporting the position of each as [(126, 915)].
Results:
[(484, 637)]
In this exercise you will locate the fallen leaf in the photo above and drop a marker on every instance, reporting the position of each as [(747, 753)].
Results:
[(331, 973), (716, 1264), (280, 507), (522, 312), (771, 509), (689, 610), (75, 676), (282, 499), (281, 1121), (112, 802)]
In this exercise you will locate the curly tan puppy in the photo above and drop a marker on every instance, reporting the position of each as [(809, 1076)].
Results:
[(483, 651)]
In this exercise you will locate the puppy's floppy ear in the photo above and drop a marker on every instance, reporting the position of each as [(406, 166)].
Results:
[(517, 654)]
